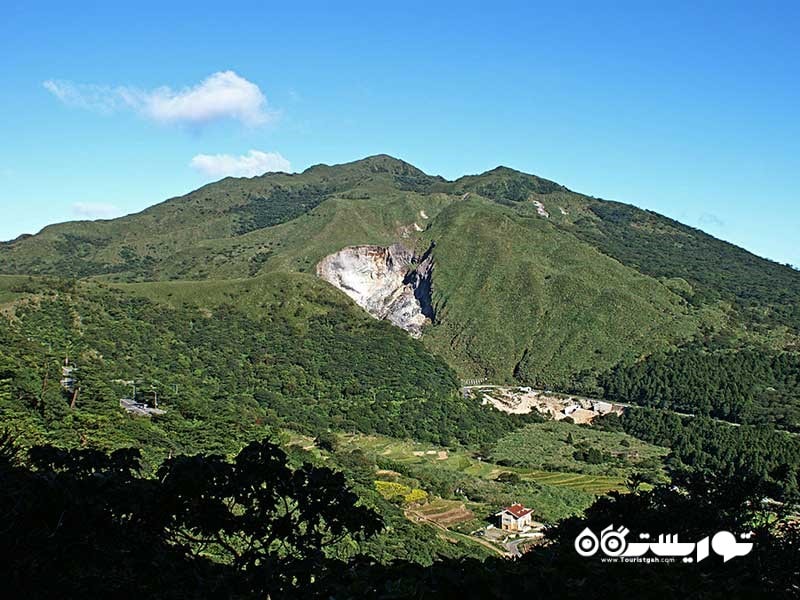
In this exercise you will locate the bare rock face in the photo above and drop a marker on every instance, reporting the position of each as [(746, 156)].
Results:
[(389, 283)]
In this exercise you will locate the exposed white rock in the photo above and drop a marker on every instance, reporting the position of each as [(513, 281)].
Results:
[(541, 209), (384, 283)]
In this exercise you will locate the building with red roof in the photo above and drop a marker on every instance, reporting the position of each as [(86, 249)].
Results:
[(515, 518)]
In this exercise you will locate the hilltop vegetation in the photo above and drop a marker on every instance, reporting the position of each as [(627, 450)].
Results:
[(515, 297), (764, 293), (532, 282)]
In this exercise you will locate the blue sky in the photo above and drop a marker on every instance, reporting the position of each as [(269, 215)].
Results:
[(689, 109)]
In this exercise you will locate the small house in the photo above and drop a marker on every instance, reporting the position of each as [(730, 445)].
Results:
[(515, 518)]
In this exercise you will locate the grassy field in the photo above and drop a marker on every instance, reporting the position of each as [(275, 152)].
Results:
[(551, 446), (412, 453)]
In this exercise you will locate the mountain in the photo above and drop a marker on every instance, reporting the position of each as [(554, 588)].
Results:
[(334, 314), (529, 281)]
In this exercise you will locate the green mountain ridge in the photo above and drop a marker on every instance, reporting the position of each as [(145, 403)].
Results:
[(532, 282)]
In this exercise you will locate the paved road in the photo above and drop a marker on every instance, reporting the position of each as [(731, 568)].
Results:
[(513, 547)]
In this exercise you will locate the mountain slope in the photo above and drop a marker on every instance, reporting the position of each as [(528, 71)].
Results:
[(136, 247), (516, 295), (531, 281), (226, 358)]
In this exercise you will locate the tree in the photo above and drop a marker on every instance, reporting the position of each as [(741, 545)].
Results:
[(634, 482), (327, 441), (509, 477), (93, 525)]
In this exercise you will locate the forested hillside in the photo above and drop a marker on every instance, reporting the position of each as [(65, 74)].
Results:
[(745, 386), (308, 360), (765, 293)]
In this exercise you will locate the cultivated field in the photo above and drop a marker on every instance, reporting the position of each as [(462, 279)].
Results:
[(482, 485)]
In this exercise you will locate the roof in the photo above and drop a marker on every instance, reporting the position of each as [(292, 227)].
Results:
[(517, 510)]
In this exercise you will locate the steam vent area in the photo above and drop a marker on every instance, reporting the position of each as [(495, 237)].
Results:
[(389, 283)]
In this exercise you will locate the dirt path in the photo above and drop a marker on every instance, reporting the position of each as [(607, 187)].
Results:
[(450, 535)]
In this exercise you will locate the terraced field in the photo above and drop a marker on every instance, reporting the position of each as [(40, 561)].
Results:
[(593, 484), (412, 453), (445, 512)]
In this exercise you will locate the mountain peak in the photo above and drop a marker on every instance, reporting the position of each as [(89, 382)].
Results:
[(503, 170), (379, 163)]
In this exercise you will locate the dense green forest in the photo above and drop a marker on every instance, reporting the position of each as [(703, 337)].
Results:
[(745, 386), (279, 206), (703, 445), (221, 376)]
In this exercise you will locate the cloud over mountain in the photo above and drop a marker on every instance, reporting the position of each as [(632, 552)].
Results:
[(95, 210), (224, 95), (253, 163)]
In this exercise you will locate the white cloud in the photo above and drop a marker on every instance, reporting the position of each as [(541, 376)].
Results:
[(95, 210), (98, 98), (222, 95), (253, 163)]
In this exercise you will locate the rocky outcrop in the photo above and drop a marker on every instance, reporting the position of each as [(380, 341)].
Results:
[(389, 283)]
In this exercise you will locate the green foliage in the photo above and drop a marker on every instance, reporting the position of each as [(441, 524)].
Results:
[(507, 186), (592, 451), (253, 526), (746, 386), (483, 485), (280, 205), (592, 456), (517, 299), (225, 375), (709, 447), (764, 291), (327, 441)]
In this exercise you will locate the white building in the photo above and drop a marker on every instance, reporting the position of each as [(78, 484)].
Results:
[(515, 518)]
